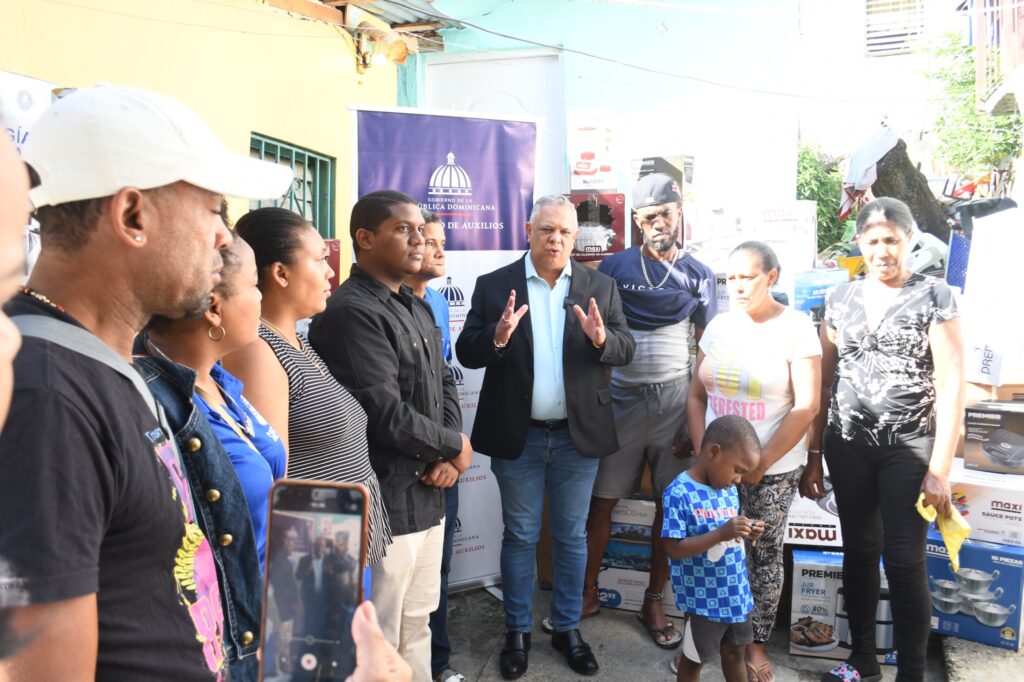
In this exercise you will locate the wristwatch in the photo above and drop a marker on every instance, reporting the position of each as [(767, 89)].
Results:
[(499, 346)]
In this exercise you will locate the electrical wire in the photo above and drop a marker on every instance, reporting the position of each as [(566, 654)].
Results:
[(649, 4), (826, 98), (647, 69)]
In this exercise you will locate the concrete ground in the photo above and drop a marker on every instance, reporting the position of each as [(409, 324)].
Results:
[(973, 662), (625, 652)]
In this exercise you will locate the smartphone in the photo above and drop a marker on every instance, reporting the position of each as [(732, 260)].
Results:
[(314, 580)]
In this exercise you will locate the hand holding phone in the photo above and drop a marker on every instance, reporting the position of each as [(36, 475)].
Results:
[(316, 556)]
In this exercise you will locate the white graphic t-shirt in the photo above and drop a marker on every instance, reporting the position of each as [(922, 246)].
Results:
[(746, 372)]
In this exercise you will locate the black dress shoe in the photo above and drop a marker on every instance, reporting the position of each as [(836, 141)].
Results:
[(513, 660), (577, 652)]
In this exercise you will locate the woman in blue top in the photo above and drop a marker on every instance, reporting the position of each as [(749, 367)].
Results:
[(230, 323)]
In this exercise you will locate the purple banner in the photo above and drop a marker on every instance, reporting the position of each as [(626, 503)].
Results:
[(475, 173)]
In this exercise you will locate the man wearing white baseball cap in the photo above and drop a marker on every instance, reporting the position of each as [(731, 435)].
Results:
[(99, 546)]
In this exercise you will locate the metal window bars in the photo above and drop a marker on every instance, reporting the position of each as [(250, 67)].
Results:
[(312, 192)]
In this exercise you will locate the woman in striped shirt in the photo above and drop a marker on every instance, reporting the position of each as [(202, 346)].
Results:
[(323, 426)]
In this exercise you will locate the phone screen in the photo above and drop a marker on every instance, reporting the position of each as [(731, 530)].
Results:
[(315, 558)]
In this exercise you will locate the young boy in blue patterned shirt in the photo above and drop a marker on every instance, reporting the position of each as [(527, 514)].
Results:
[(704, 534)]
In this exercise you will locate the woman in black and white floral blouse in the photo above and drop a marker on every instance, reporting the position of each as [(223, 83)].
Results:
[(892, 377)]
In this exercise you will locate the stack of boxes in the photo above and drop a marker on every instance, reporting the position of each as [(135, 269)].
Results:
[(981, 602), (625, 570)]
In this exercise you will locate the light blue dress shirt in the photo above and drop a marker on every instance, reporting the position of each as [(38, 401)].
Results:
[(547, 321)]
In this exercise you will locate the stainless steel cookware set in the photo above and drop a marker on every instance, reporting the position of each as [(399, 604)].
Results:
[(969, 595)]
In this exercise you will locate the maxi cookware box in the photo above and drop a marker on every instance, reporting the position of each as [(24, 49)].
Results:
[(991, 503), (814, 522), (818, 623), (982, 601), (994, 436)]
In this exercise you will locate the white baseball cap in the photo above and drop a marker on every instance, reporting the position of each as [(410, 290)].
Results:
[(96, 141)]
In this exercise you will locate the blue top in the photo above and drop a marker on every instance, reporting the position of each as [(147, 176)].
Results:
[(546, 318), (258, 467), (712, 584), (439, 305), (688, 293)]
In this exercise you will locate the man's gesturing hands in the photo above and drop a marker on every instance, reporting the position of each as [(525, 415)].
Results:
[(593, 325), (509, 320)]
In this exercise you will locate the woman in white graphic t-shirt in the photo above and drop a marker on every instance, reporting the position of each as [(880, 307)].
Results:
[(762, 361)]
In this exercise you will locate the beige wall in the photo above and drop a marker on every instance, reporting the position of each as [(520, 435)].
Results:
[(243, 65)]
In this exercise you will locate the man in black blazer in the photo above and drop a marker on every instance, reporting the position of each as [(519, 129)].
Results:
[(545, 415)]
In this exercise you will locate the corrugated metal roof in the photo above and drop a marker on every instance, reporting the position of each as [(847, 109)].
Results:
[(402, 12)]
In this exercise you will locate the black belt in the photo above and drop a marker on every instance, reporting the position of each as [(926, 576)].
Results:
[(550, 424)]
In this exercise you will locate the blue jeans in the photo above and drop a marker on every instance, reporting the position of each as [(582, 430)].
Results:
[(550, 461), (440, 647)]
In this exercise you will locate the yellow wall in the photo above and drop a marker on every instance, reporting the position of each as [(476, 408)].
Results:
[(244, 66)]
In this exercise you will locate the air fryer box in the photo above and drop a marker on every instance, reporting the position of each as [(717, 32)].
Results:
[(994, 436), (992, 503), (818, 625), (983, 602)]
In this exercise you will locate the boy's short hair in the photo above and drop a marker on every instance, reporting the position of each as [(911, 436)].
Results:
[(730, 432)]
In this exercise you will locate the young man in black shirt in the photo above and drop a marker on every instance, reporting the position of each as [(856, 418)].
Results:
[(101, 552), (380, 341)]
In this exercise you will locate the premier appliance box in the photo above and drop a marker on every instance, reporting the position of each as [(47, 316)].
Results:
[(981, 602), (992, 503), (814, 522), (818, 624), (994, 436)]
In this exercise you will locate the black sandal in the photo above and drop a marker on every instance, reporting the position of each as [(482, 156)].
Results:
[(670, 641)]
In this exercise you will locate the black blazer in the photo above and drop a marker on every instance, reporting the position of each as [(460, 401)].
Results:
[(503, 413)]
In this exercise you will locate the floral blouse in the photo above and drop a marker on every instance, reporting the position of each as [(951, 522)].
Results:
[(883, 391)]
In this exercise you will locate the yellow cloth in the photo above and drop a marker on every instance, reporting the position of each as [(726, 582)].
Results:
[(954, 529)]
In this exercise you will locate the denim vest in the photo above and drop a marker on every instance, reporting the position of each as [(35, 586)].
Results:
[(221, 508)]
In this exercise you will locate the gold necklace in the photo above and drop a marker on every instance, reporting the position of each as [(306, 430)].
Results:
[(40, 297), (301, 347), (277, 330), (241, 430)]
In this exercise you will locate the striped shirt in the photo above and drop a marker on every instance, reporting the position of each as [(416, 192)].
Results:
[(327, 431)]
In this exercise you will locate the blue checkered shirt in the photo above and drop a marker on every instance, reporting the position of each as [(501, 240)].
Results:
[(712, 584)]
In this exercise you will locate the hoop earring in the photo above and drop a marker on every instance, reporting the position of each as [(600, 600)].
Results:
[(223, 333)]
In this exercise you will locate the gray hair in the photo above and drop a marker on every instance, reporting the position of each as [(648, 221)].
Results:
[(554, 200), (429, 216)]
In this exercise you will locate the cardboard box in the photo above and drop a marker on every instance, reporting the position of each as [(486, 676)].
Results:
[(976, 393), (635, 512), (625, 569), (818, 623), (814, 522), (993, 575), (991, 503), (624, 589), (994, 433), (811, 289)]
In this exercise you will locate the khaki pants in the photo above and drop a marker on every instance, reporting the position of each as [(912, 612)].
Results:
[(406, 589)]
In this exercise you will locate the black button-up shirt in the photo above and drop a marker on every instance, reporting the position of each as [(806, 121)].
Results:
[(385, 348)]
